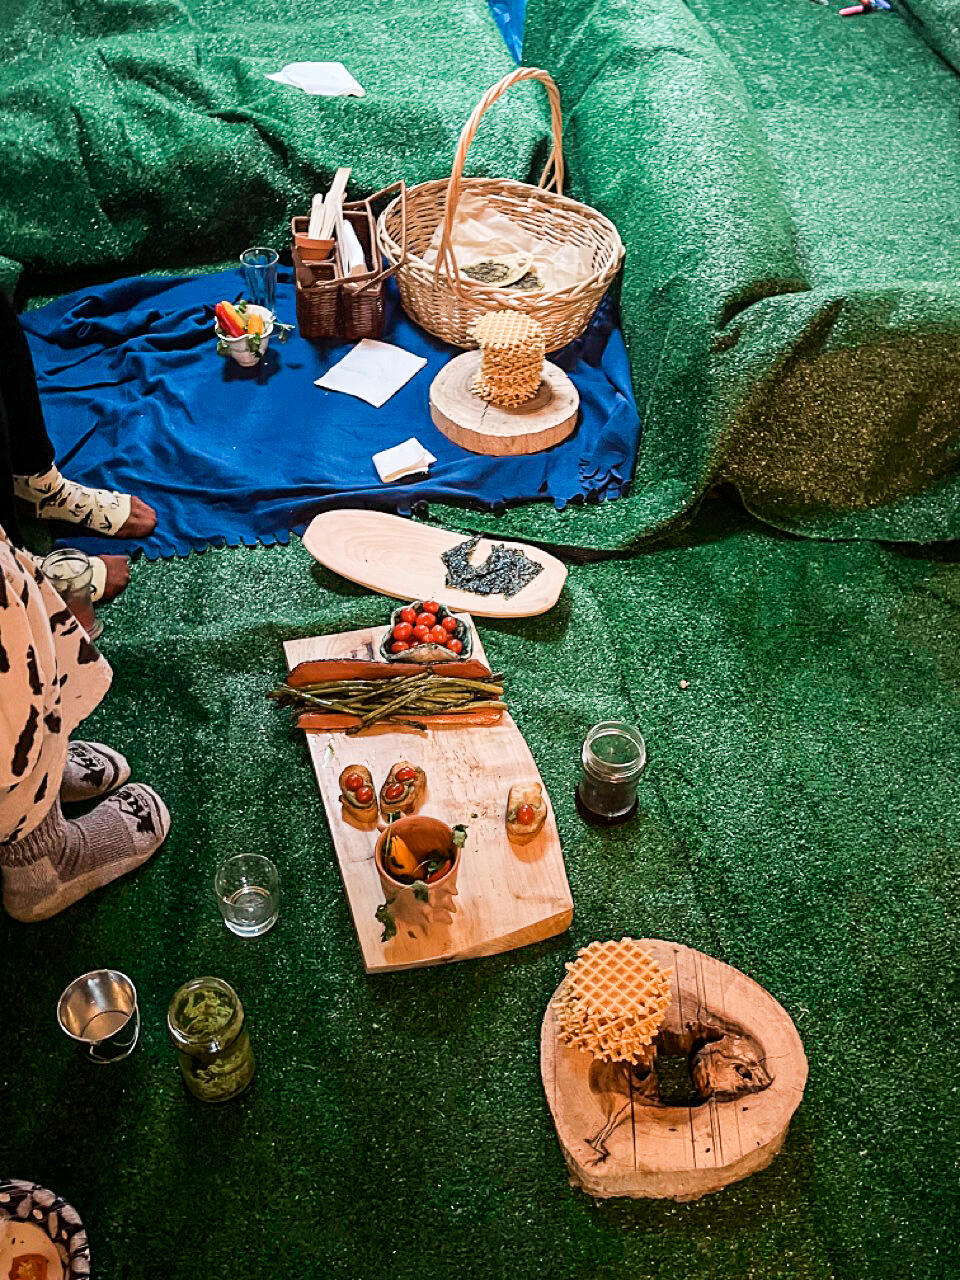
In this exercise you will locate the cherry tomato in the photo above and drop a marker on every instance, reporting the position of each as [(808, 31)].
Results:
[(449, 624), (420, 634), (525, 814), (352, 782), (426, 619), (455, 645), (431, 606), (402, 631), (438, 635), (364, 795), (406, 774), (409, 614), (394, 791), (399, 646)]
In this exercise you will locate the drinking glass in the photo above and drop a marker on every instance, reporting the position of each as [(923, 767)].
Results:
[(260, 274), (70, 573), (248, 894)]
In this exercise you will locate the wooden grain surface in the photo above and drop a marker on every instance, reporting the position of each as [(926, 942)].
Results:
[(507, 896), (618, 1143), (399, 557), (472, 423)]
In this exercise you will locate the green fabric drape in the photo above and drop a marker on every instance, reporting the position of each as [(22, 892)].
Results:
[(939, 23), (142, 133), (787, 185)]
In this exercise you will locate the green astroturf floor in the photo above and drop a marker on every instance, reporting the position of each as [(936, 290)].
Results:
[(799, 820)]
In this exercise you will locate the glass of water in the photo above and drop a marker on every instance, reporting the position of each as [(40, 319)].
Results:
[(248, 894), (260, 276)]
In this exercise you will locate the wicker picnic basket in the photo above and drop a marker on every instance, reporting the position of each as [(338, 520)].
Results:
[(445, 302)]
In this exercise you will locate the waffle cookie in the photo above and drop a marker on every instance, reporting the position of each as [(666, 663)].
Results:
[(512, 352), (613, 1001)]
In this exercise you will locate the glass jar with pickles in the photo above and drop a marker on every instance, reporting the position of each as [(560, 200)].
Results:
[(208, 1029)]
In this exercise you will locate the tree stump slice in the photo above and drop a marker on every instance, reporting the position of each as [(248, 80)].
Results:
[(472, 423), (619, 1139)]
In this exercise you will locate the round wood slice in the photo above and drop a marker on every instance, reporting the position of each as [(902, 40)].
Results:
[(620, 1140), (470, 422)]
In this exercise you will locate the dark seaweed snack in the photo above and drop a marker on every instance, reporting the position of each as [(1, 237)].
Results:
[(527, 282), (505, 571), (488, 272)]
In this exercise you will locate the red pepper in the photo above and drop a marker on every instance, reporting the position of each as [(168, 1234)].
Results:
[(229, 319)]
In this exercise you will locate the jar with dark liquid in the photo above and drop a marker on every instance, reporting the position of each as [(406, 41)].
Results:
[(614, 755)]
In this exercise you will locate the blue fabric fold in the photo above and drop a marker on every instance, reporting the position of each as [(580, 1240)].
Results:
[(136, 399), (510, 15)]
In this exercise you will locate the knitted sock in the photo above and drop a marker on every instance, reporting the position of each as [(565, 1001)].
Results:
[(55, 498), (91, 770), (61, 861)]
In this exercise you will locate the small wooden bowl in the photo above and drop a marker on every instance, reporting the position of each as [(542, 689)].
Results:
[(313, 250)]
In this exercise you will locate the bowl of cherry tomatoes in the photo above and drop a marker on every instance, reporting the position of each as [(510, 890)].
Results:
[(426, 631)]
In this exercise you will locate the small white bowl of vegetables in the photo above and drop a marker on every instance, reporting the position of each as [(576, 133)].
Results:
[(243, 331)]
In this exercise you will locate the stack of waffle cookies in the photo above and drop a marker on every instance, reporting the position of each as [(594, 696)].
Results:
[(613, 1001), (512, 351)]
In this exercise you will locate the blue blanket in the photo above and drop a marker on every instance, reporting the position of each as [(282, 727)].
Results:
[(137, 399)]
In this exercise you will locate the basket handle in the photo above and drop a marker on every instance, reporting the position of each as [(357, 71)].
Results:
[(552, 176)]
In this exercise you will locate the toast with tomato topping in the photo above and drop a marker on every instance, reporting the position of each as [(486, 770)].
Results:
[(403, 789), (358, 794), (526, 812)]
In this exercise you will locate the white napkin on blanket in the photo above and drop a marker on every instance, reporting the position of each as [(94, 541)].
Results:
[(327, 79), (372, 371), (407, 459)]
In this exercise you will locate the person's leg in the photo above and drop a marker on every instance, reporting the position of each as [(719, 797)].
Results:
[(30, 450), (91, 770), (36, 477), (61, 861), (8, 503)]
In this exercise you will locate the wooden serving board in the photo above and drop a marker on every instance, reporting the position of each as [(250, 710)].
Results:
[(469, 421), (619, 1141), (507, 895), (399, 557)]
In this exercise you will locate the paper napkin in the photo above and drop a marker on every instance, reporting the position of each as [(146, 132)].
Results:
[(327, 79), (372, 371), (407, 459)]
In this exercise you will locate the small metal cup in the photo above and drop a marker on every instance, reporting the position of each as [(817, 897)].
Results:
[(99, 1011)]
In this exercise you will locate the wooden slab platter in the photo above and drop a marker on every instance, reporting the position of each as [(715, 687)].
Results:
[(472, 423), (507, 895), (620, 1139), (399, 557)]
